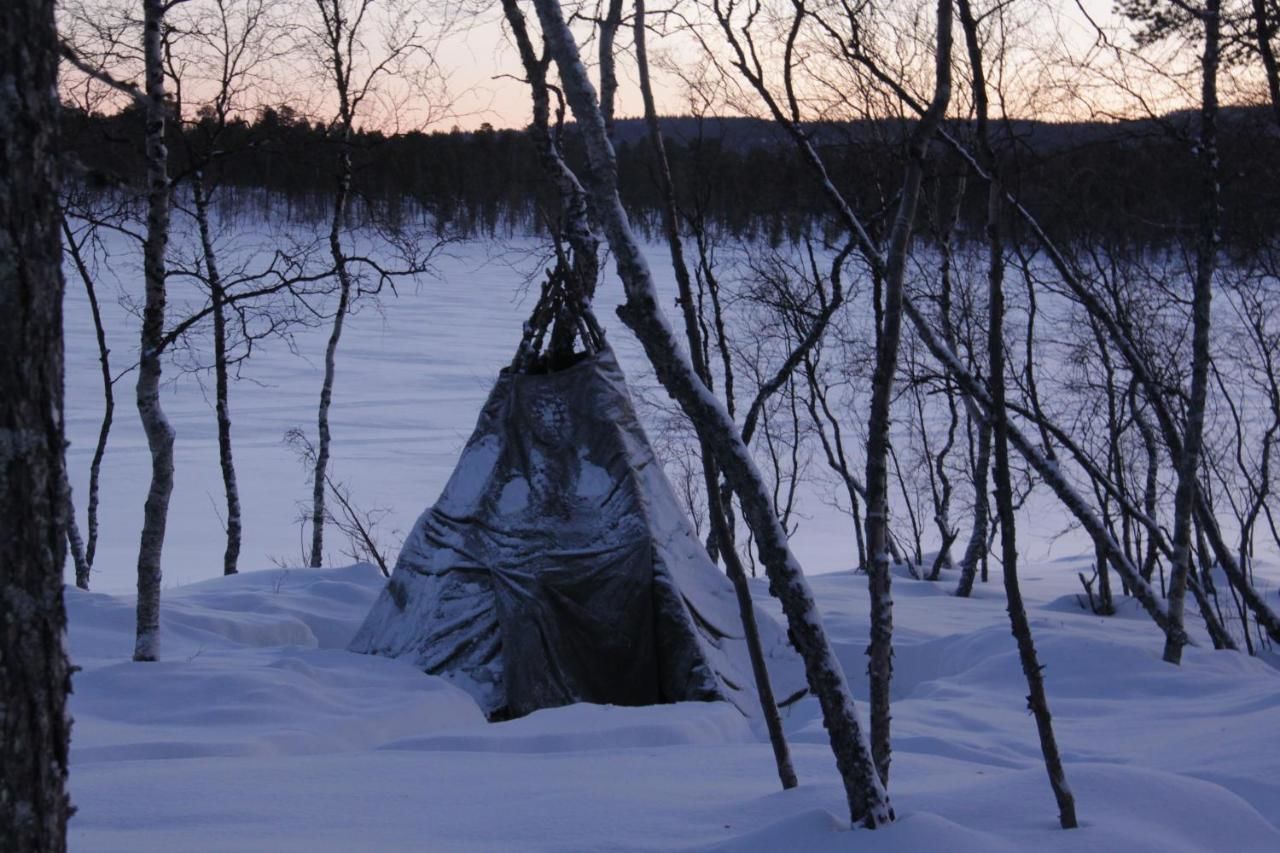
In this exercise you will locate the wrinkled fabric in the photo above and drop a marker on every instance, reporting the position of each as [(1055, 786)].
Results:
[(558, 566)]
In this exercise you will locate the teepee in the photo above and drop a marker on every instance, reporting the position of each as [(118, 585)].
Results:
[(558, 565)]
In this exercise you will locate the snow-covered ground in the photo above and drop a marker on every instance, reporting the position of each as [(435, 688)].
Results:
[(258, 732)]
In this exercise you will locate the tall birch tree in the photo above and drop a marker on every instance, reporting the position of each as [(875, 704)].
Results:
[(35, 677), (867, 800)]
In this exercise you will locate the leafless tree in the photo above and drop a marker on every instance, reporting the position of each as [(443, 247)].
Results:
[(998, 415), (226, 43), (721, 541), (358, 524), (867, 800), (844, 30), (35, 676), (74, 245), (357, 45)]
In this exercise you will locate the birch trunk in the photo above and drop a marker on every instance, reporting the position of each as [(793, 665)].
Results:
[(1019, 624), (341, 195), (721, 541), (880, 651), (217, 298), (868, 803), (75, 542), (108, 397), (976, 549), (34, 674), (1188, 462), (154, 423)]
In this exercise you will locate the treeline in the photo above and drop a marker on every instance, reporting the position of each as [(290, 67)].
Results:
[(1127, 183)]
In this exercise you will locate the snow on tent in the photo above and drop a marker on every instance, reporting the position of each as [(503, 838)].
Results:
[(558, 566)]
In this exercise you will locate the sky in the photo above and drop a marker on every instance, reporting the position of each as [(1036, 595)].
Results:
[(483, 68), (482, 76)]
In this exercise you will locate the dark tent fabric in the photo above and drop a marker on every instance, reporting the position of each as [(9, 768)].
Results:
[(558, 566)]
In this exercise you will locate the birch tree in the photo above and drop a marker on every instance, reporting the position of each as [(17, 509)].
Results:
[(159, 433), (35, 676), (229, 43), (356, 44), (74, 245), (739, 27), (998, 416), (868, 803), (151, 98)]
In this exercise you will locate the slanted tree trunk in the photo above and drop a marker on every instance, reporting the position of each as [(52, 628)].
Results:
[(217, 298), (34, 675), (1188, 462), (1037, 700), (867, 800), (721, 542), (154, 423)]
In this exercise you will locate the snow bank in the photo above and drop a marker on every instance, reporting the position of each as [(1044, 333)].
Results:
[(253, 667), (259, 733)]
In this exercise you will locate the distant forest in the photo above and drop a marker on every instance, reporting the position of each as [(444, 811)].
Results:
[(1128, 183)]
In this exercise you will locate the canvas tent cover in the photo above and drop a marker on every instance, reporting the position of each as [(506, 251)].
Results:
[(558, 565)]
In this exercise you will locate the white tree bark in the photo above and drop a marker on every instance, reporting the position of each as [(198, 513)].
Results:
[(154, 423), (721, 541)]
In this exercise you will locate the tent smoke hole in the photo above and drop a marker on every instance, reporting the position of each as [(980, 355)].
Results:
[(558, 566)]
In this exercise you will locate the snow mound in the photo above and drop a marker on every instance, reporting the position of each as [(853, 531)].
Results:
[(1125, 808), (253, 666)]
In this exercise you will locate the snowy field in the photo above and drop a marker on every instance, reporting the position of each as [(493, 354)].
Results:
[(259, 732)]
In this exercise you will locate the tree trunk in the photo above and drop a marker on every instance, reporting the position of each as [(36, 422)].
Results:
[(1264, 30), (1188, 463), (976, 550), (74, 540), (108, 397), (868, 803), (721, 540), (154, 423), (880, 650), (751, 630), (217, 296), (34, 675), (1037, 701), (340, 197)]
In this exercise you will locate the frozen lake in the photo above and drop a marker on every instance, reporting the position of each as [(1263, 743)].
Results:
[(413, 371)]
